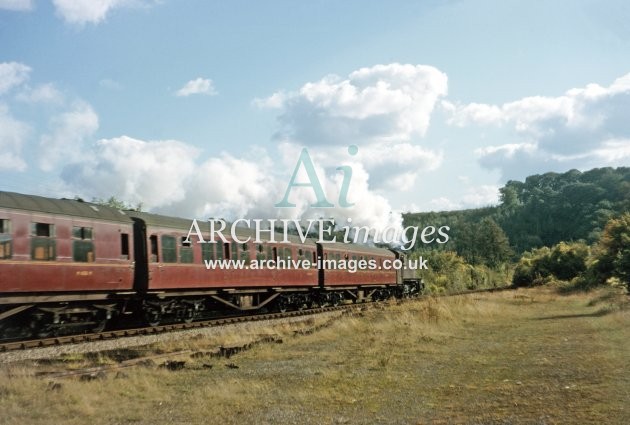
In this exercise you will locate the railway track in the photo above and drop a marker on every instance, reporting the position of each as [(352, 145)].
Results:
[(155, 330)]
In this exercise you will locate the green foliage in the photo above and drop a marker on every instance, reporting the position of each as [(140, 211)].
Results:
[(533, 265), (612, 252), (114, 202), (564, 261), (543, 210), (483, 243), (552, 207), (448, 272)]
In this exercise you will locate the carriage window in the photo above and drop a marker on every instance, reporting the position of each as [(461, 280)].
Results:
[(260, 252), (82, 232), (245, 253), (169, 250), (207, 251), (43, 246), (4, 225), (154, 249), (5, 239), (124, 246), (220, 249), (271, 253), (226, 250), (234, 252), (82, 245), (44, 230), (186, 251)]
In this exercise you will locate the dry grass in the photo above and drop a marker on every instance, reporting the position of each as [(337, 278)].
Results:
[(527, 356)]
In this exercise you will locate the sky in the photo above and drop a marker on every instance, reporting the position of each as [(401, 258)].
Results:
[(203, 108)]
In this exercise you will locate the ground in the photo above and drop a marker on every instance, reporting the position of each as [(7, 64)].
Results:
[(532, 356)]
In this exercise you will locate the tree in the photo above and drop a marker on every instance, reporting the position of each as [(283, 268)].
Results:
[(612, 253), (493, 243), (563, 261), (483, 243), (114, 202)]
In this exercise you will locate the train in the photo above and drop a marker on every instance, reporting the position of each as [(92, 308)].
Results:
[(67, 265)]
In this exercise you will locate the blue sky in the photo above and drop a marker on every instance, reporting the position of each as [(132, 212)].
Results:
[(201, 107)]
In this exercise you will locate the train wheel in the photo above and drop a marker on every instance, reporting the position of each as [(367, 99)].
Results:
[(99, 326), (189, 316), (152, 317), (45, 332)]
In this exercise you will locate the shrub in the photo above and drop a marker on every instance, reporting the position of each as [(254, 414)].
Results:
[(564, 261)]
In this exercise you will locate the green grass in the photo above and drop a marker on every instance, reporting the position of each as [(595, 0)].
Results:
[(531, 356)]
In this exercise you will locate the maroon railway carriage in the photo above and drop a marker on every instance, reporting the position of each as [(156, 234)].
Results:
[(174, 272), (360, 270), (59, 250), (67, 265)]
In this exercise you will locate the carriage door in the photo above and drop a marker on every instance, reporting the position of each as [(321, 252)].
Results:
[(155, 262), (141, 270)]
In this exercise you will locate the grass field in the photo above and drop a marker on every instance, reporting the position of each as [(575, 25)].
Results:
[(518, 357)]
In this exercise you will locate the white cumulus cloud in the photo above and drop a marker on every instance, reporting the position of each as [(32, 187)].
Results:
[(197, 86), (383, 103), (12, 74), (385, 110), (172, 177), (583, 128), (68, 133), (45, 93), (82, 12), (474, 197), (152, 173), (13, 134)]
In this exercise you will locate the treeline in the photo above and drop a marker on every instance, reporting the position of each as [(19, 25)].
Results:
[(605, 262), (549, 219), (549, 208)]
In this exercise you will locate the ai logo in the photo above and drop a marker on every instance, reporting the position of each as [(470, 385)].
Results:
[(313, 181)]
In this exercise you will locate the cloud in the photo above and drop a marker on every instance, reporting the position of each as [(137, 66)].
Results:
[(17, 5), (110, 84), (82, 12), (474, 197), (384, 110), (45, 93), (481, 196), (390, 166), (12, 74), (583, 128), (172, 177), (152, 173), (13, 134), (444, 204), (197, 86), (275, 101), (69, 132), (383, 103)]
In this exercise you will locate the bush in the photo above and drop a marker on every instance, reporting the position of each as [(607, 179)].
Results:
[(564, 261), (448, 272), (612, 253)]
